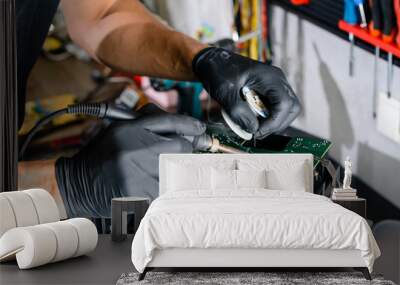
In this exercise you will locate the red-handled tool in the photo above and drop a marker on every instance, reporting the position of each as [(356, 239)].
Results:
[(383, 19), (397, 13), (300, 2), (388, 29), (375, 27), (388, 20)]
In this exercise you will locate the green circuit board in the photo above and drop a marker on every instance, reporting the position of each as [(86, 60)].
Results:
[(272, 144)]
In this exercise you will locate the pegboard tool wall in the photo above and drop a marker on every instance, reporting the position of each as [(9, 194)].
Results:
[(326, 14)]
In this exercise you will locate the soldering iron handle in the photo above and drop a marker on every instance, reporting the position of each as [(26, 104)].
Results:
[(114, 112), (102, 111)]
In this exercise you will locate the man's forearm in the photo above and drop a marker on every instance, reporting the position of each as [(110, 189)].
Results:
[(126, 36), (150, 50), (40, 174)]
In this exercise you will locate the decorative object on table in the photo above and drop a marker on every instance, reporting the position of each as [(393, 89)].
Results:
[(31, 231), (248, 278), (347, 174), (120, 209), (346, 192)]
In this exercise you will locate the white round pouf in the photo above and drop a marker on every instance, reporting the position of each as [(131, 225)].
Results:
[(7, 218), (31, 232), (40, 244), (87, 234), (33, 246), (45, 205), (23, 208), (67, 240)]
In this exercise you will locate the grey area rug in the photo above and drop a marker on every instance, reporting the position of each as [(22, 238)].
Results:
[(233, 278)]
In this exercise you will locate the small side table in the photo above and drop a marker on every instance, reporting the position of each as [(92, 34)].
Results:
[(358, 205), (120, 209)]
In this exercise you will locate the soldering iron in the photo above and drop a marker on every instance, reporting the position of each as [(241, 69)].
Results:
[(203, 142)]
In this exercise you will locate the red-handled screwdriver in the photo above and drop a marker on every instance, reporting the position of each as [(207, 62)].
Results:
[(397, 13), (383, 20), (375, 26), (388, 28)]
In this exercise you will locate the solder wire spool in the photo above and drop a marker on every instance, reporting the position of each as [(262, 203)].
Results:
[(255, 104)]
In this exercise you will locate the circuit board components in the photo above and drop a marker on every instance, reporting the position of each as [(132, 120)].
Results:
[(272, 144)]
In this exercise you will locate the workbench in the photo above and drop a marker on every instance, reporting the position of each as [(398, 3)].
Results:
[(102, 266)]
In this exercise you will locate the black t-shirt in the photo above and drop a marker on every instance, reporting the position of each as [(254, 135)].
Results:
[(33, 21)]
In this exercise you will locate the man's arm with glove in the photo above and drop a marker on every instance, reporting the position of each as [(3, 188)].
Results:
[(125, 36)]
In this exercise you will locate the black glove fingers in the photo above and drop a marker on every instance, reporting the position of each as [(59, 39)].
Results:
[(278, 115), (146, 157), (294, 112), (269, 94), (295, 108), (242, 115), (227, 95), (174, 144), (133, 139), (172, 124), (282, 104), (277, 72), (140, 161), (187, 126)]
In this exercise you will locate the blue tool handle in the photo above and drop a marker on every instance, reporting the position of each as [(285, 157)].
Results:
[(358, 2), (350, 12)]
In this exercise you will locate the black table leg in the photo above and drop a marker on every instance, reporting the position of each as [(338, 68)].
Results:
[(143, 274), (364, 271)]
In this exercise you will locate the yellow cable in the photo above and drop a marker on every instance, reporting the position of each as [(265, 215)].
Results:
[(245, 24), (253, 52)]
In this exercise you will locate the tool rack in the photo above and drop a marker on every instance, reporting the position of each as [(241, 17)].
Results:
[(364, 35), (327, 14)]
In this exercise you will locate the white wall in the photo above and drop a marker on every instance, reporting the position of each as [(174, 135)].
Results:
[(192, 16), (336, 106)]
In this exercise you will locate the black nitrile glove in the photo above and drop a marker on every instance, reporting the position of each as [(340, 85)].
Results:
[(224, 73), (122, 161)]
